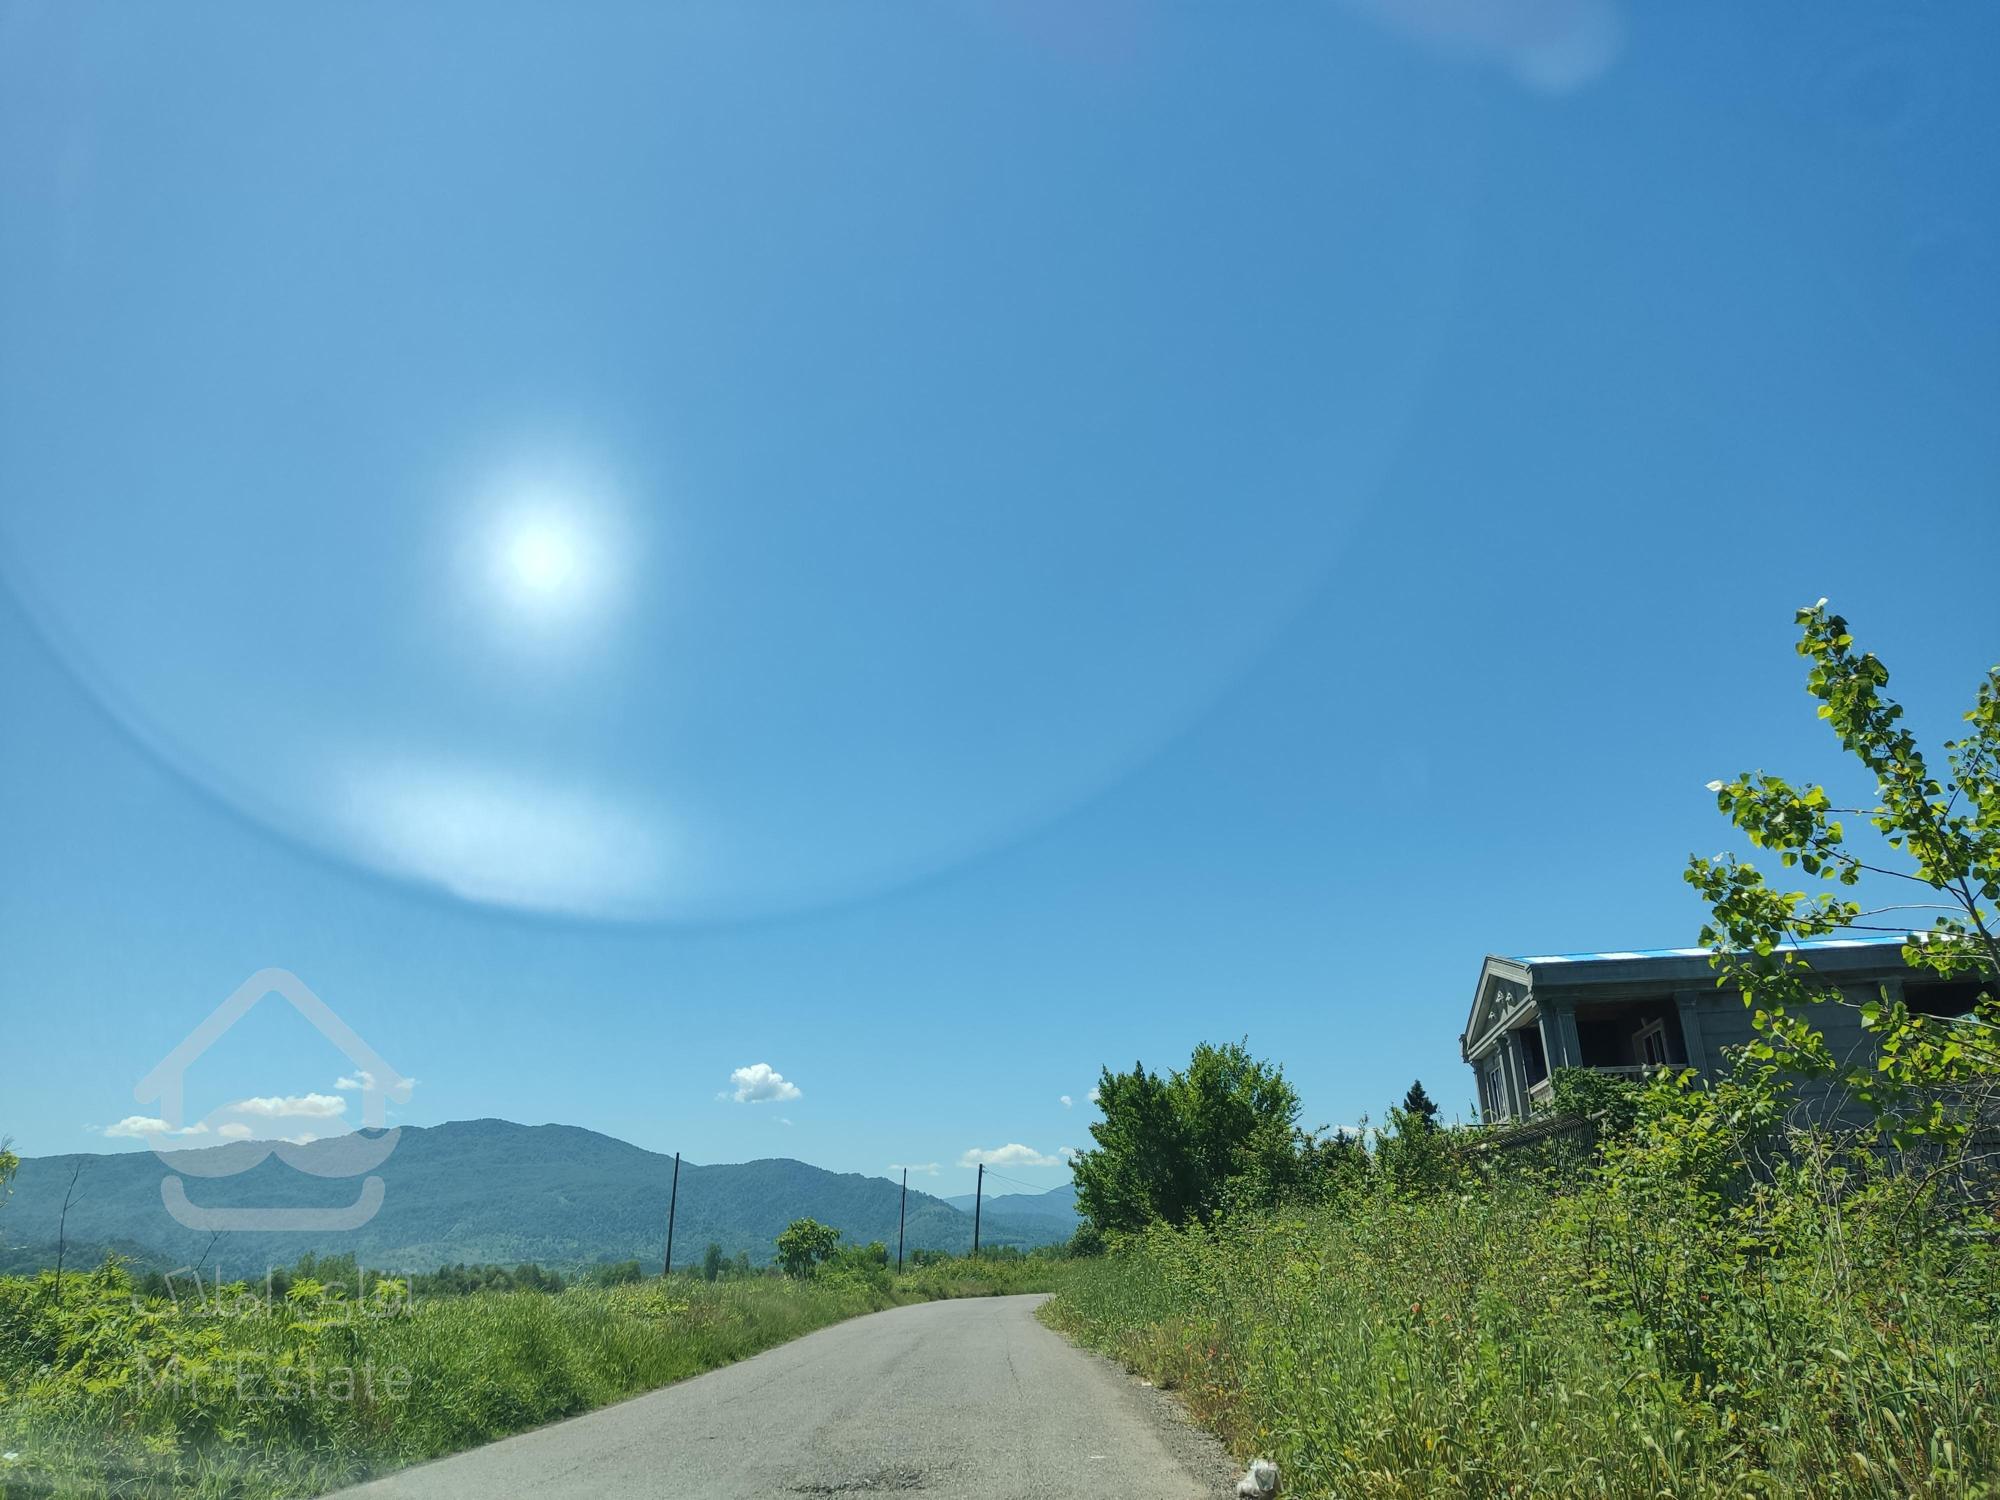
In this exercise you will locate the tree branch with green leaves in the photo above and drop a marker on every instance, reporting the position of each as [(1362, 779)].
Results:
[(1930, 1076)]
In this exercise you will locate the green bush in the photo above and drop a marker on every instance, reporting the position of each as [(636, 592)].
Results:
[(1608, 1098), (1722, 1307), (1088, 1240), (616, 1273), (804, 1244), (858, 1265)]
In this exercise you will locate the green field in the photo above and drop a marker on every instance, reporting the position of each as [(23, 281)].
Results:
[(1513, 1336), (107, 1392)]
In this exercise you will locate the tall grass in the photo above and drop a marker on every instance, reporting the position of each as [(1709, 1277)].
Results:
[(106, 1394), (1523, 1335)]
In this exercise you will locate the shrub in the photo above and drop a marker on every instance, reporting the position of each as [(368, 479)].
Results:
[(1608, 1098), (804, 1244), (1722, 1307)]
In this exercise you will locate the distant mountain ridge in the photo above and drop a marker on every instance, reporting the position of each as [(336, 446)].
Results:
[(1056, 1203), (489, 1191)]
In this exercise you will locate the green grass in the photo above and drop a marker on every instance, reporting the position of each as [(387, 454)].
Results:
[(111, 1395), (1507, 1338)]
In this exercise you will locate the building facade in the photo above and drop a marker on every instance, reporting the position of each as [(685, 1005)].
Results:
[(1629, 1013)]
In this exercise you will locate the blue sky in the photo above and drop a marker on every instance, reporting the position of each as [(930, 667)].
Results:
[(936, 548)]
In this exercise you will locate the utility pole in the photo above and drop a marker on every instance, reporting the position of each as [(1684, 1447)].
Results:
[(902, 1216), (978, 1196), (673, 1201)]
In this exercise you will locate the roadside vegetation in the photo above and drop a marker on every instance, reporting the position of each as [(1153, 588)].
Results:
[(325, 1374), (1673, 1318), (1782, 1283)]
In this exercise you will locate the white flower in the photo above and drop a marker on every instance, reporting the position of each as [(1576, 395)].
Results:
[(1715, 786), (1822, 602)]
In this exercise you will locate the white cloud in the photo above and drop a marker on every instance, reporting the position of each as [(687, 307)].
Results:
[(760, 1083), (1092, 1095), (134, 1127), (236, 1130), (362, 1079), (1065, 1101), (924, 1168), (1068, 1153), (289, 1106), (1013, 1154), (1361, 1132), (138, 1127), (782, 1120)]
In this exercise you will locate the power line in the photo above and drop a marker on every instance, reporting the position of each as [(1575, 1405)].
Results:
[(1032, 1187)]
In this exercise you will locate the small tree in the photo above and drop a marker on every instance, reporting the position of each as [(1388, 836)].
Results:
[(1419, 1106), (1333, 1162), (615, 1273), (70, 1199), (711, 1262), (805, 1244), (1940, 836), (1176, 1148), (1412, 1155)]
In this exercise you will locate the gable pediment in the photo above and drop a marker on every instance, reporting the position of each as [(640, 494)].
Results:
[(1504, 991)]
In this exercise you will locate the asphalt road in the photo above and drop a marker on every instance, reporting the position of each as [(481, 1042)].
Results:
[(971, 1398)]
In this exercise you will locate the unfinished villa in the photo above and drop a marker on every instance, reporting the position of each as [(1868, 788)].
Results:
[(1633, 1012)]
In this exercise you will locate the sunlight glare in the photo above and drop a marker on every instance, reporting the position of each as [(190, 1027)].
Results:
[(542, 557)]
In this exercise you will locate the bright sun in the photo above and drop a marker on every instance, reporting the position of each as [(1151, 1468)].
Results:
[(542, 557)]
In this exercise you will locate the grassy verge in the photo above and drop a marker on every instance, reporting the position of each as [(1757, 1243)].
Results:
[(111, 1394), (1510, 1339)]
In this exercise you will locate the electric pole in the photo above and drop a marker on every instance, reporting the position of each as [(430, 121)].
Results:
[(673, 1201), (978, 1195), (902, 1216)]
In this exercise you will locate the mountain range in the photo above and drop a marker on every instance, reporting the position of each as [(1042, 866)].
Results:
[(488, 1191), (1057, 1203)]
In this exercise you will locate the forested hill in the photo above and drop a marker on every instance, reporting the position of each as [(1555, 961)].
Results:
[(486, 1191)]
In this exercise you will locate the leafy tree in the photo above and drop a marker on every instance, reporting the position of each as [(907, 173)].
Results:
[(858, 1265), (1169, 1148), (1086, 1242), (1331, 1163), (9, 1165), (711, 1262), (805, 1244), (529, 1277), (616, 1273), (1412, 1155), (1419, 1105), (1938, 835)]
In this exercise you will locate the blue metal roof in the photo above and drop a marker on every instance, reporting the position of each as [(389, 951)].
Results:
[(1810, 943)]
